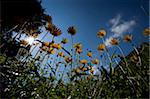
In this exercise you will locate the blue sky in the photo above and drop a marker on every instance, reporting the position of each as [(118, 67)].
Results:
[(88, 16)]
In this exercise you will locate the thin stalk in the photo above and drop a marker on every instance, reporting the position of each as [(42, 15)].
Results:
[(99, 93), (124, 58), (139, 63), (43, 59), (107, 53), (57, 66), (21, 30), (37, 53), (12, 28), (127, 68), (44, 36), (110, 64), (63, 73), (120, 66), (40, 40), (72, 52), (95, 89)]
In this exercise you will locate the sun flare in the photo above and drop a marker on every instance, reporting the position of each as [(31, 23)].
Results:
[(30, 40)]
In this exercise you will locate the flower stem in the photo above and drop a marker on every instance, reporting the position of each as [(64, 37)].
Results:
[(72, 52), (124, 58), (139, 63), (107, 53)]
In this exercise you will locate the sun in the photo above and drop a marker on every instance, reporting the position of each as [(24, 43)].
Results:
[(30, 40)]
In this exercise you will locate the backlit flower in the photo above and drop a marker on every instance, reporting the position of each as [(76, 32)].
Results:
[(67, 59), (114, 41), (51, 51), (47, 18), (56, 31), (95, 61), (89, 54), (78, 46), (71, 30), (61, 54), (46, 44), (127, 38), (101, 47), (43, 48), (146, 32), (101, 33), (57, 46), (83, 61), (79, 51), (84, 69), (35, 35), (64, 40), (50, 27)]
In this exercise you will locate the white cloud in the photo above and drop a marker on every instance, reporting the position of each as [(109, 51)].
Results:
[(118, 28), (121, 28), (115, 21)]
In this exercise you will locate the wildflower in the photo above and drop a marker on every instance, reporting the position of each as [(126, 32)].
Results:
[(71, 30), (32, 31), (51, 51), (57, 46), (114, 41), (43, 48), (128, 38), (56, 31), (50, 27), (89, 54), (89, 77), (67, 59), (78, 71), (101, 33), (92, 71), (101, 47), (35, 35), (78, 46), (61, 54), (64, 41), (79, 51), (23, 42), (95, 61), (47, 18), (83, 61), (84, 69), (51, 44), (46, 44), (146, 32)]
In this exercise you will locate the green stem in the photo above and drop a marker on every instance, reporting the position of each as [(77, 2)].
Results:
[(44, 36), (72, 52), (139, 63), (124, 58), (37, 53), (120, 66), (107, 53)]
